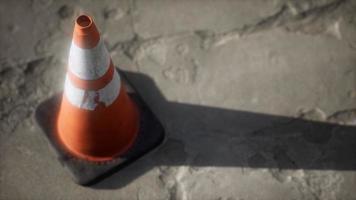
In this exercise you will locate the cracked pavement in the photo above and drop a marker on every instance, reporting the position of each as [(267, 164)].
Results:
[(258, 98)]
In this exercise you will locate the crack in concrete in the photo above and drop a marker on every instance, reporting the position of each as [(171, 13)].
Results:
[(344, 117), (281, 18), (318, 10), (30, 69)]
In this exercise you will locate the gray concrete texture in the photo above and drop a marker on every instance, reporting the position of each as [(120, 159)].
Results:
[(231, 81)]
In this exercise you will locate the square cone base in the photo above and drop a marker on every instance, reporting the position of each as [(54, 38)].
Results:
[(150, 136)]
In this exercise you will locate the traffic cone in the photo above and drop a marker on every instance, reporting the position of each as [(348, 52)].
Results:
[(96, 120)]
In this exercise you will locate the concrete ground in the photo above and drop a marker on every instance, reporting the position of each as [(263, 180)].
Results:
[(258, 98)]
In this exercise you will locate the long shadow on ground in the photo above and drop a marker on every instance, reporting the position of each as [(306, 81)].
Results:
[(200, 136)]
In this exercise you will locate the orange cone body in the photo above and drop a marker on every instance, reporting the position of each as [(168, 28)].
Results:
[(97, 120)]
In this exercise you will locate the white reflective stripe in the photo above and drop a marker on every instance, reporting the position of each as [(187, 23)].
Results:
[(89, 99), (89, 64)]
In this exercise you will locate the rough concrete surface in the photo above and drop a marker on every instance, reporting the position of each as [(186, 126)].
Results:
[(249, 92)]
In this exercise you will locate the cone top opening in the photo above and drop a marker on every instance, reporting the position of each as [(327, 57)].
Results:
[(84, 21)]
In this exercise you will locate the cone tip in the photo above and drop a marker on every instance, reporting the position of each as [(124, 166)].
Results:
[(85, 34)]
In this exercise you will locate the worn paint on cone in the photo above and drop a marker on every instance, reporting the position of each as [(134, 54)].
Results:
[(97, 120)]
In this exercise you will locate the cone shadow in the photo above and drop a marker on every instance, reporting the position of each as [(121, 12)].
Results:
[(202, 136)]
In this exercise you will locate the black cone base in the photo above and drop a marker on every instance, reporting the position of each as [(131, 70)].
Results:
[(150, 136)]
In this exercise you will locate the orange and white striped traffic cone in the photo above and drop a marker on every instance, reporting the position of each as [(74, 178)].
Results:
[(96, 121)]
